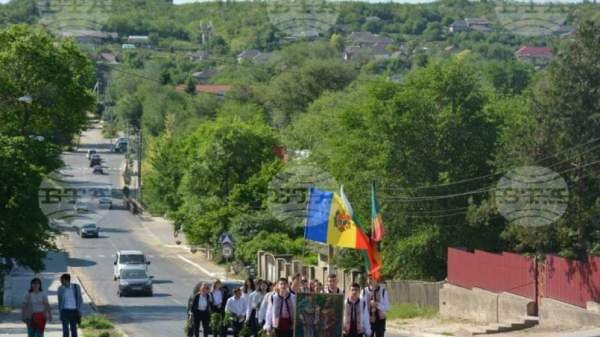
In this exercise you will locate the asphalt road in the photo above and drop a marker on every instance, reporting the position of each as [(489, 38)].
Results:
[(160, 315), (92, 259)]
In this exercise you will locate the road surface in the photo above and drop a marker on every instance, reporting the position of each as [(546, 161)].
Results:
[(92, 259)]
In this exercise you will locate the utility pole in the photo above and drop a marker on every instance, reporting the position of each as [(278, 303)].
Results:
[(139, 165)]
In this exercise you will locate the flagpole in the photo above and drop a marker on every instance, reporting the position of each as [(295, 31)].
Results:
[(329, 259)]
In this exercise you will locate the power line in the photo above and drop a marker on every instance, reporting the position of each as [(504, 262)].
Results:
[(554, 155)]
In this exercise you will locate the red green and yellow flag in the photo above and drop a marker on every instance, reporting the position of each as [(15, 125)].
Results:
[(376, 219)]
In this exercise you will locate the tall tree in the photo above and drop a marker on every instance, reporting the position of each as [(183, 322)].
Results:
[(55, 74)]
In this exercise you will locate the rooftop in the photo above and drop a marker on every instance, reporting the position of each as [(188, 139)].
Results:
[(528, 51)]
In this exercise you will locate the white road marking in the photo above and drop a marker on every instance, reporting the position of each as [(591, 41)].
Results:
[(196, 265), (184, 247), (101, 256)]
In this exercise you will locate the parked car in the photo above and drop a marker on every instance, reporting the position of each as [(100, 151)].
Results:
[(133, 279), (129, 257), (105, 203), (97, 169), (89, 153), (121, 144), (89, 230)]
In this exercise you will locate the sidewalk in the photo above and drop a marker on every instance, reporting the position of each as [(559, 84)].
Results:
[(11, 325)]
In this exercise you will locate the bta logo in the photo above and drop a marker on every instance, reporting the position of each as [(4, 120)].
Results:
[(68, 201), (532, 196)]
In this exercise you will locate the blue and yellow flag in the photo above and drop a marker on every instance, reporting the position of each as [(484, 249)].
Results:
[(329, 221)]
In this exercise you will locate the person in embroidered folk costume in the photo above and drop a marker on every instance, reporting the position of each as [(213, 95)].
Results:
[(254, 302), (280, 313), (264, 305), (332, 285), (356, 315), (376, 297)]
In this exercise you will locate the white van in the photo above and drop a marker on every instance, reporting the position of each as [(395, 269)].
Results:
[(128, 258)]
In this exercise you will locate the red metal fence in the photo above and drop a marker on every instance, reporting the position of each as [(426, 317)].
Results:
[(504, 272), (573, 282), (569, 281)]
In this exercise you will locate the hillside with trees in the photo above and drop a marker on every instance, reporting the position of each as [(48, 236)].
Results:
[(436, 118)]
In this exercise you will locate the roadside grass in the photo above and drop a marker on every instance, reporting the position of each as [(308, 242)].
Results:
[(406, 311), (98, 326), (5, 310)]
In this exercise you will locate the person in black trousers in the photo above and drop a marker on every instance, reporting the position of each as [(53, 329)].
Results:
[(201, 308)]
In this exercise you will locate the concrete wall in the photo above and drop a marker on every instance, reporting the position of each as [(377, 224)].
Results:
[(481, 305), (559, 314), (271, 267), (426, 294)]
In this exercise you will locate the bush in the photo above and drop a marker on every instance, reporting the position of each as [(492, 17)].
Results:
[(96, 322)]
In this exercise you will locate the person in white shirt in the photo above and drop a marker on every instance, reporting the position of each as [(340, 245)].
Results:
[(262, 312), (280, 312), (236, 307), (217, 296), (254, 301), (201, 309), (356, 315), (69, 305), (375, 295), (247, 289), (332, 285)]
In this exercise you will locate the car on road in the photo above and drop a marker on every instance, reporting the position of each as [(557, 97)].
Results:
[(133, 279), (105, 203), (97, 169), (89, 153), (125, 258), (120, 145), (81, 207), (95, 161), (89, 230)]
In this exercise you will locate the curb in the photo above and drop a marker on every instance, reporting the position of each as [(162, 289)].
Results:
[(87, 298), (411, 333)]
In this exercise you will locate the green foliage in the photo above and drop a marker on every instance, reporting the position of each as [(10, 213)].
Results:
[(21, 11), (291, 92), (246, 331), (273, 242), (96, 322), (561, 117), (408, 311), (57, 76)]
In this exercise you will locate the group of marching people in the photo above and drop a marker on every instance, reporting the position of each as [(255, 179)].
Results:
[(271, 307)]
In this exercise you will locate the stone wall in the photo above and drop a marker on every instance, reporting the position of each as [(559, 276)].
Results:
[(271, 267)]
